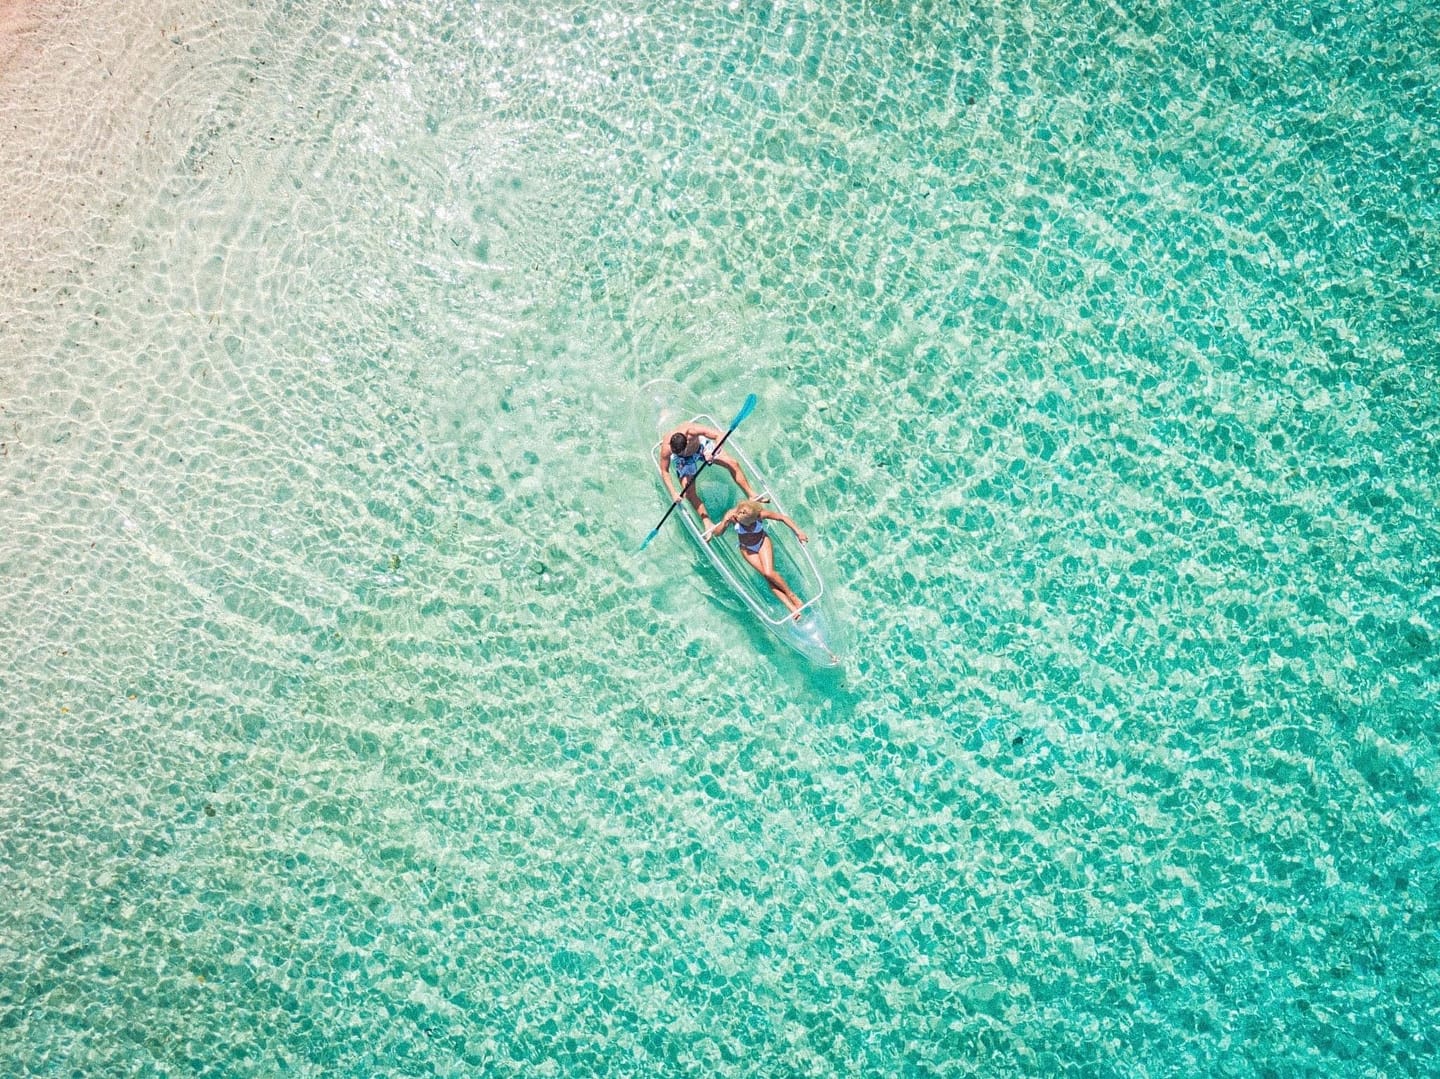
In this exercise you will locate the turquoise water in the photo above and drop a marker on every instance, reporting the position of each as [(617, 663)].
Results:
[(346, 732)]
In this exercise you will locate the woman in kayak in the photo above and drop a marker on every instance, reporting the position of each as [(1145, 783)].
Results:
[(749, 519), (688, 447)]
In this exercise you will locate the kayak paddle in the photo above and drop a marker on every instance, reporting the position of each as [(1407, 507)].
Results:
[(745, 410)]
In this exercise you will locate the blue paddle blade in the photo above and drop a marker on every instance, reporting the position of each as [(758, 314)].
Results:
[(745, 410), (653, 533)]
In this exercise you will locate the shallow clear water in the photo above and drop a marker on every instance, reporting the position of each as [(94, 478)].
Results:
[(347, 733)]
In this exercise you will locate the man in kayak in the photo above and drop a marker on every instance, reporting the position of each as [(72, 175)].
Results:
[(749, 519), (689, 446)]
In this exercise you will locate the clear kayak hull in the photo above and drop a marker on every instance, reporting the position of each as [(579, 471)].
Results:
[(814, 634)]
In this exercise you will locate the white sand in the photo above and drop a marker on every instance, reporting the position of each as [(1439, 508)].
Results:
[(98, 100), (17, 22)]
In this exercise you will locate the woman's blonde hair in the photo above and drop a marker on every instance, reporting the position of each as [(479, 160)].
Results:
[(748, 509)]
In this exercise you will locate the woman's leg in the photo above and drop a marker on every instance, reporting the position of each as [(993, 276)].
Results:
[(764, 562)]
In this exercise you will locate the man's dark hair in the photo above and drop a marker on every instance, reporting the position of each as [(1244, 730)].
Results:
[(678, 441)]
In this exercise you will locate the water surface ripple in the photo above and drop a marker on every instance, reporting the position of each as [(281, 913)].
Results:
[(347, 734)]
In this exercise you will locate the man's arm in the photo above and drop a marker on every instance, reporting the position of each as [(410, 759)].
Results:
[(704, 432), (665, 471)]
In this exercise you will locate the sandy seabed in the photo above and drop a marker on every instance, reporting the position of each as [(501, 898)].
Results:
[(97, 100), (17, 22)]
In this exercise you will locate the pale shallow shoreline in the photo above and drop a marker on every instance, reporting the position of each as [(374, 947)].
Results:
[(43, 148), (98, 99), (18, 19)]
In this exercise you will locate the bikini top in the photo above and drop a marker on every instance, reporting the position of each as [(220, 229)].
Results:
[(754, 533)]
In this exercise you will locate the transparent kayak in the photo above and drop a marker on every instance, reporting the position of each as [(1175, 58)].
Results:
[(812, 634)]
